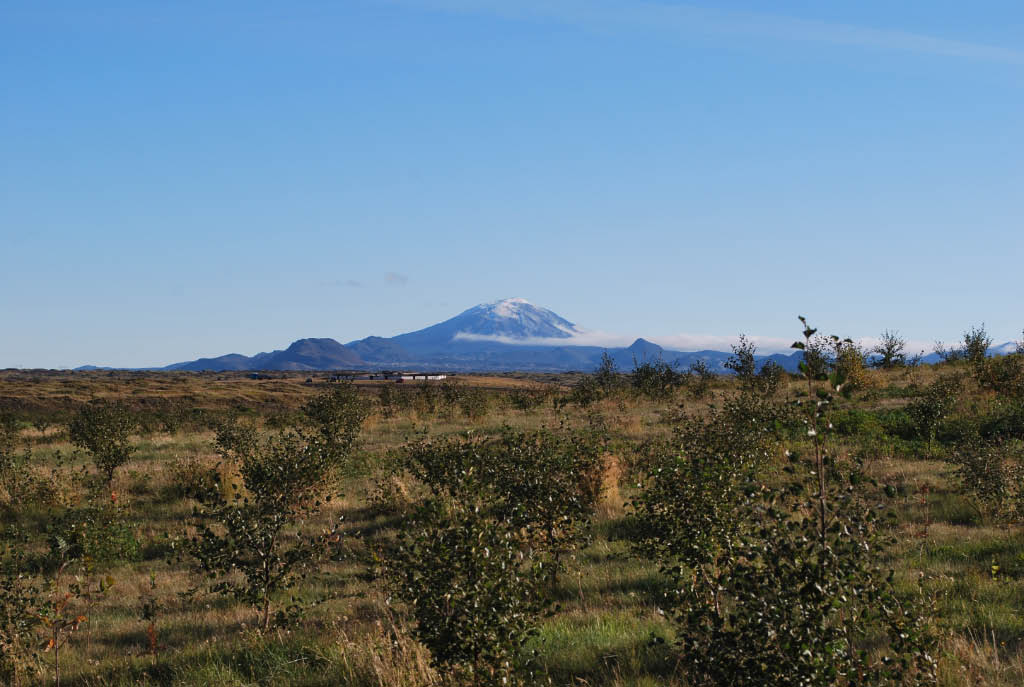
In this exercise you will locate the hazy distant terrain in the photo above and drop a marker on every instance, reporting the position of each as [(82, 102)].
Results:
[(507, 335)]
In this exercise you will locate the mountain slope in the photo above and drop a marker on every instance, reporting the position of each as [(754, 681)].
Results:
[(512, 319), (314, 354), (304, 354), (510, 334), (377, 349)]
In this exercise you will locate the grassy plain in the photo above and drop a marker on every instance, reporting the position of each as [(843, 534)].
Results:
[(608, 629)]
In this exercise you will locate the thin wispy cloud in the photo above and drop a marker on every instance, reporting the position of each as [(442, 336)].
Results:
[(673, 342), (343, 283), (687, 20), (684, 343), (396, 279), (601, 339)]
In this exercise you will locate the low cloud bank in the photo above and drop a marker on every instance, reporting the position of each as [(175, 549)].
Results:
[(674, 342), (684, 343)]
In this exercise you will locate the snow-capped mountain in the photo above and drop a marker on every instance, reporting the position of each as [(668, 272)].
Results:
[(1004, 349), (511, 319), (510, 334), (514, 318)]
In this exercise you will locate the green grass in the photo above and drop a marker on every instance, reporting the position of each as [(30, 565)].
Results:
[(608, 629)]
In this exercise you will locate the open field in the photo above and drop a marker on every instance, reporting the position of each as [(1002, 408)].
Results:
[(609, 627)]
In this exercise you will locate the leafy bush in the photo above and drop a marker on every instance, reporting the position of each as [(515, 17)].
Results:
[(428, 398), (851, 364), (899, 423), (386, 400), (889, 351), (742, 361), (544, 482), (976, 343), (604, 382), (1003, 374), (99, 533), (818, 356), (474, 589), (699, 376), (255, 532), (18, 482), (992, 474), (20, 600), (473, 402), (686, 512), (606, 376), (798, 604), (528, 398), (585, 392), (548, 484), (855, 422), (10, 433), (104, 429), (1004, 421), (934, 405), (337, 415), (780, 586)]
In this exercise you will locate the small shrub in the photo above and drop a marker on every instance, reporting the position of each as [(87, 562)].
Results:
[(934, 405), (193, 478), (474, 590), (67, 605), (854, 422), (249, 543), (473, 402), (548, 484), (1004, 421), (992, 473), (104, 429), (899, 423), (686, 511), (99, 533), (10, 434), (529, 398), (337, 415), (794, 592), (976, 343), (1003, 374), (544, 482), (18, 483), (585, 392), (428, 398), (770, 378), (798, 604), (655, 379), (889, 352), (391, 496), (386, 401), (699, 376), (606, 376), (20, 606)]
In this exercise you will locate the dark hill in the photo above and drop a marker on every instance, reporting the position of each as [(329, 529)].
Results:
[(304, 354)]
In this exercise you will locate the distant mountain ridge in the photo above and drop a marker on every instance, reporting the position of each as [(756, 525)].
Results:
[(304, 354), (506, 335), (511, 319), (510, 334)]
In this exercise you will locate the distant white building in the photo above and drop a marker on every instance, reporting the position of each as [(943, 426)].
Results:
[(388, 375)]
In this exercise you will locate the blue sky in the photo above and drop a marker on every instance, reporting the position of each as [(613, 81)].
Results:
[(196, 178)]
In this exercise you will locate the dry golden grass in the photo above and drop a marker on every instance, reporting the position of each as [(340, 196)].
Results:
[(609, 600)]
